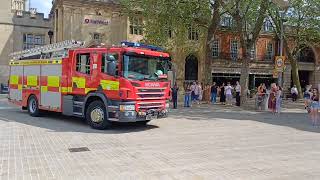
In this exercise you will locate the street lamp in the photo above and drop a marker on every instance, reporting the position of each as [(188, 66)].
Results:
[(284, 5), (50, 34)]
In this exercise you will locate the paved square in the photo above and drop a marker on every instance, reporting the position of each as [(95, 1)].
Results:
[(211, 142)]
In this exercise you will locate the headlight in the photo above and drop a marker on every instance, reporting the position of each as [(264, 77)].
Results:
[(127, 107), (167, 105)]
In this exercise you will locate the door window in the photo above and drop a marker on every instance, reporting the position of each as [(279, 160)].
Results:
[(83, 63)]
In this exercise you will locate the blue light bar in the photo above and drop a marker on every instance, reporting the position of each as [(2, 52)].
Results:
[(140, 45)]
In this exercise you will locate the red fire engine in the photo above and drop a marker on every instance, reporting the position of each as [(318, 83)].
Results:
[(128, 83)]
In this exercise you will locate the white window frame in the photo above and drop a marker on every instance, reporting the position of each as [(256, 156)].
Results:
[(193, 33), (136, 26), (216, 48), (234, 55), (253, 52), (269, 57)]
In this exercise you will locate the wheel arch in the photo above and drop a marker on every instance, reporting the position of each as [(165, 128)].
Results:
[(94, 96)]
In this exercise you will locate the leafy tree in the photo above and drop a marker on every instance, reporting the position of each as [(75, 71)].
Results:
[(302, 29), (249, 17)]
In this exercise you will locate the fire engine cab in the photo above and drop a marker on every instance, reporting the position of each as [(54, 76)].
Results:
[(127, 83)]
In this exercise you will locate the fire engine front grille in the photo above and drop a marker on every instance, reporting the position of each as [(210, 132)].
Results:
[(152, 93), (148, 106)]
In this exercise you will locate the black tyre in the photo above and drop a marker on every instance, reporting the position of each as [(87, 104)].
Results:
[(33, 106), (97, 116)]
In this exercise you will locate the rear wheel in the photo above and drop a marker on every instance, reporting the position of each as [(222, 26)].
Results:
[(33, 106), (96, 115)]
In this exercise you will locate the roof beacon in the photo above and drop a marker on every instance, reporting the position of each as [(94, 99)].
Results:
[(140, 45)]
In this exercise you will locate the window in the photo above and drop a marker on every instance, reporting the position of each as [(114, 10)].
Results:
[(252, 52), (234, 50), (96, 36), (136, 26), (226, 21), (193, 34), (31, 41), (268, 27), (104, 62), (83, 63), (215, 49), (270, 52)]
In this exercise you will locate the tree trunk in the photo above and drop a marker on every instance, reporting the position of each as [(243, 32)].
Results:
[(213, 26), (295, 69)]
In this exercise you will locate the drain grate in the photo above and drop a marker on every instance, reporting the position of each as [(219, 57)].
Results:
[(80, 149)]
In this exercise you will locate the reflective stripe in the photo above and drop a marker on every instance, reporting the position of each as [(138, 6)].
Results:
[(20, 87), (44, 88), (32, 80), (64, 89), (53, 81), (14, 79), (80, 82), (109, 85), (89, 89), (34, 62)]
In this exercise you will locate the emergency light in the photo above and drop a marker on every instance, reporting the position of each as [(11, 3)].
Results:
[(140, 45)]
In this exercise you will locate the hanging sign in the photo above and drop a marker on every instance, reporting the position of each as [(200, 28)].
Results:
[(279, 63)]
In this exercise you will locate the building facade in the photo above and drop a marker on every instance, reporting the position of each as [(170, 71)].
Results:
[(102, 21), (20, 28), (94, 22)]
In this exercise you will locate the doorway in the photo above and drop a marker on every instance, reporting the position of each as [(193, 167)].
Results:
[(191, 68)]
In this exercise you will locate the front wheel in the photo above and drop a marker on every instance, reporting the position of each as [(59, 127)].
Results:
[(33, 106), (96, 115)]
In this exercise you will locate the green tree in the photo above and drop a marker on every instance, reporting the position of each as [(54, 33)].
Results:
[(166, 23), (249, 17), (302, 29)]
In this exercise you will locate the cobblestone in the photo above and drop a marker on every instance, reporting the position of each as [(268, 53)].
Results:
[(206, 142)]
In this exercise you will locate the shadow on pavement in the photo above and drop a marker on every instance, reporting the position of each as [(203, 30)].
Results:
[(59, 123), (296, 120)]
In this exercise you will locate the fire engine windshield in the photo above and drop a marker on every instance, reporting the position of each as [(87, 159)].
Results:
[(145, 67)]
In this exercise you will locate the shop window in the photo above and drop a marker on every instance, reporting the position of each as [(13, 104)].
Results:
[(234, 50), (83, 63), (136, 26)]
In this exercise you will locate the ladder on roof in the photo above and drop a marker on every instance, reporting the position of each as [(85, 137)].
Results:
[(59, 49)]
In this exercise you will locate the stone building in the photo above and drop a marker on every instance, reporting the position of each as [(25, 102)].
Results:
[(20, 28), (94, 22)]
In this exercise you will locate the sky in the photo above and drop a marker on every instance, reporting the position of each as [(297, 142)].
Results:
[(43, 6)]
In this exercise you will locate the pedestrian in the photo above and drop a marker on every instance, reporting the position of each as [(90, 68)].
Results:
[(214, 90), (193, 87), (198, 93), (229, 96), (279, 100), (314, 107), (238, 93), (175, 90), (222, 94), (187, 95), (307, 96), (207, 94), (272, 98), (294, 93), (260, 97)]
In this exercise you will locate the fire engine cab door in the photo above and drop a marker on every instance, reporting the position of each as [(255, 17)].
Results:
[(109, 83), (84, 73)]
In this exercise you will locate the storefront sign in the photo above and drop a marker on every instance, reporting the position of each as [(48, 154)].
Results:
[(279, 63), (103, 22)]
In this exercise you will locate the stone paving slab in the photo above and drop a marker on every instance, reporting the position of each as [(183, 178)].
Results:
[(205, 142)]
